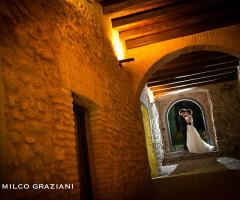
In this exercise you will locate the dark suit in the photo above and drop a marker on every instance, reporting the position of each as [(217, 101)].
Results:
[(183, 130)]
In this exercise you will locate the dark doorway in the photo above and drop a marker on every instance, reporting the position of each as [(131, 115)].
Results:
[(83, 157), (174, 127)]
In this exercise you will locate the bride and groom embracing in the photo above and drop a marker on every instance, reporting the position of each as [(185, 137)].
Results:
[(191, 138)]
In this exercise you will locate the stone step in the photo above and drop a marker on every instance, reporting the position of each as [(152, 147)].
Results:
[(174, 157), (178, 153)]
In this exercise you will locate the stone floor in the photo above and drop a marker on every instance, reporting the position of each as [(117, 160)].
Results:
[(175, 157), (214, 185), (200, 166), (207, 178), (230, 163)]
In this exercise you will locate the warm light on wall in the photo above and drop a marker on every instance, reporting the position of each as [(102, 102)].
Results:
[(118, 45)]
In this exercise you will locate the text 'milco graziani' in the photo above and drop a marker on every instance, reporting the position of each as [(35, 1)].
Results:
[(37, 186)]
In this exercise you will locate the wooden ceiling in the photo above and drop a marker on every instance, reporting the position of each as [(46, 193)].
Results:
[(194, 69), (142, 22)]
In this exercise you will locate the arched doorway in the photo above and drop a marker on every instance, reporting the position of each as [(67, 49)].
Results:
[(170, 56), (182, 80), (175, 136)]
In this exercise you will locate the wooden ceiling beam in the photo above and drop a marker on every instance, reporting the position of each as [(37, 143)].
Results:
[(189, 63), (184, 20), (161, 14), (195, 59), (208, 75), (194, 84), (233, 18), (191, 70), (129, 7)]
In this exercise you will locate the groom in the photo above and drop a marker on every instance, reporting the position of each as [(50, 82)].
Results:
[(183, 127)]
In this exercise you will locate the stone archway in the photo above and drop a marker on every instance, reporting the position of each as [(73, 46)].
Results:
[(230, 48), (224, 40), (174, 54), (201, 97), (186, 50), (175, 137)]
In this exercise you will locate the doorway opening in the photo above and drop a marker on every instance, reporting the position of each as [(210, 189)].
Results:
[(193, 80), (176, 140), (83, 153)]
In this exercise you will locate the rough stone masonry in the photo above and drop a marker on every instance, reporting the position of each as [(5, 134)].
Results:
[(50, 50)]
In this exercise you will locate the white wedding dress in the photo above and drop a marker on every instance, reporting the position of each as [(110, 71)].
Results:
[(195, 144)]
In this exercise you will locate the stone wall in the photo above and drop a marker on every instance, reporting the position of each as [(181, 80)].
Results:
[(155, 145), (157, 135), (148, 135), (239, 81), (220, 103), (226, 109), (50, 50)]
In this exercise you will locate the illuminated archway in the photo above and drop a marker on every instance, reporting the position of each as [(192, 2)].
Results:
[(172, 116), (174, 54), (171, 56)]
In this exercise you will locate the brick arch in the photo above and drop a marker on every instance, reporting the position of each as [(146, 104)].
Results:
[(212, 42), (229, 47)]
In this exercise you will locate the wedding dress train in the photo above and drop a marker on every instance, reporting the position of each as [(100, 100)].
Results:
[(195, 144)]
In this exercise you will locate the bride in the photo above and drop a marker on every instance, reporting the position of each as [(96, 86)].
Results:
[(195, 144)]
